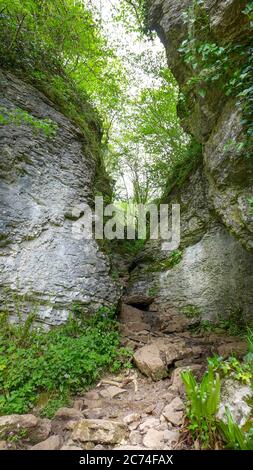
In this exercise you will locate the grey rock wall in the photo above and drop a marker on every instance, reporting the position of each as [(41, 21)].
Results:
[(215, 119), (215, 275), (42, 266)]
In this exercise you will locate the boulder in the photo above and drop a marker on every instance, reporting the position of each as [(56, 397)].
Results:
[(68, 414), (174, 411), (149, 362), (52, 443), (154, 439), (149, 423), (171, 437), (100, 431), (41, 431), (112, 391), (132, 418), (15, 423)]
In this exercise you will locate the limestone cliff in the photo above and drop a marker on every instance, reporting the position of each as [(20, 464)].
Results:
[(44, 175), (215, 274)]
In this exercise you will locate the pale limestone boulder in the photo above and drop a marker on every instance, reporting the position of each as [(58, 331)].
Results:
[(52, 443), (100, 431)]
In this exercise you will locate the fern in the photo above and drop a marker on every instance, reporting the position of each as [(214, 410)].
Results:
[(235, 437)]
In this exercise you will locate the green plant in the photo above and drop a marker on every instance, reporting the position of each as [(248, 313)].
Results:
[(66, 360), (226, 65), (19, 116), (203, 402), (15, 436), (235, 323), (53, 403), (191, 311), (183, 167), (251, 205), (232, 367), (139, 9), (235, 438), (249, 356), (174, 258), (153, 291)]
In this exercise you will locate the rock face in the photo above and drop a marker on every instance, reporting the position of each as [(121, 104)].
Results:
[(215, 274), (234, 398), (215, 119), (43, 178)]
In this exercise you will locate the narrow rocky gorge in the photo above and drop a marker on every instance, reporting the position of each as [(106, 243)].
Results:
[(161, 301)]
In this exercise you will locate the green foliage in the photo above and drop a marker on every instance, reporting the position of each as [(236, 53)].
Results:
[(19, 116), (234, 437), (249, 357), (226, 65), (129, 247), (152, 145), (234, 324), (153, 291), (251, 205), (58, 46), (240, 371), (137, 9), (52, 403), (174, 258), (203, 403), (183, 167), (191, 311), (65, 360)]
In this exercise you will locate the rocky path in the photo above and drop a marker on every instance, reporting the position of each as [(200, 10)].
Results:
[(141, 408)]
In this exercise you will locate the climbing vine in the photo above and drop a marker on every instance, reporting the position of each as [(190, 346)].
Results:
[(229, 66)]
